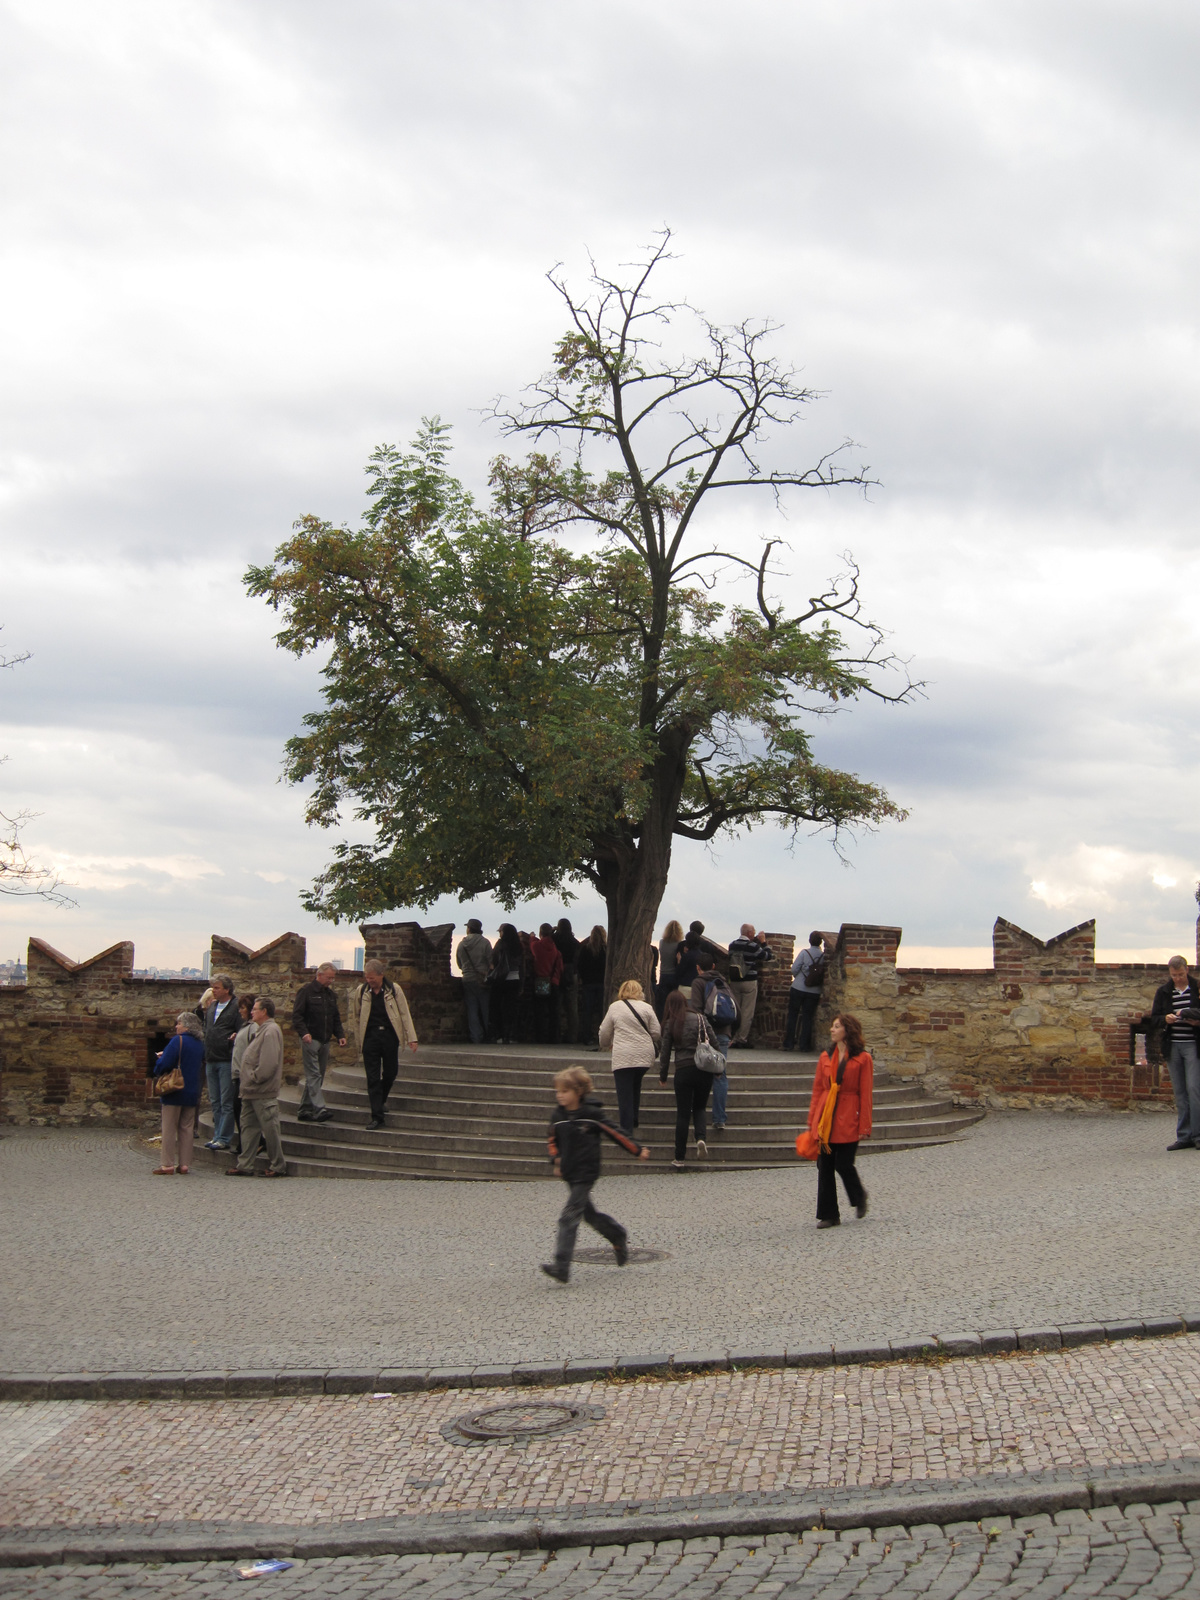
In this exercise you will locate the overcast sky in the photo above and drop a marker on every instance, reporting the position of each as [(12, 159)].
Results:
[(242, 244)]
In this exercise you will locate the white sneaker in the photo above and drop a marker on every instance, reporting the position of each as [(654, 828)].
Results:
[(701, 1149), (678, 1165)]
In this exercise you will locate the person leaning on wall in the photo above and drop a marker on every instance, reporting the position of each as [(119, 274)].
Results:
[(179, 1106), (1176, 1011)]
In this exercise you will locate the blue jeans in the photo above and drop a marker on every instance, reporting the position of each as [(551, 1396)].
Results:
[(721, 1084), (220, 1096), (1184, 1067)]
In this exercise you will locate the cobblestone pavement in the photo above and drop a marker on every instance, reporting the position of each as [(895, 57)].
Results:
[(342, 1458), (1101, 1553), (1034, 1218)]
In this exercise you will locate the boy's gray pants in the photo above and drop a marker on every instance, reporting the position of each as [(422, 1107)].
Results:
[(579, 1208), (316, 1062)]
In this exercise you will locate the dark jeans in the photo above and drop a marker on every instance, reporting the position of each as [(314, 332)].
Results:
[(545, 1012), (1183, 1064), (692, 1088), (591, 1009), (661, 991), (569, 1003), (381, 1058), (629, 1095), (508, 996), (579, 1208), (802, 1009), (840, 1160), (475, 998)]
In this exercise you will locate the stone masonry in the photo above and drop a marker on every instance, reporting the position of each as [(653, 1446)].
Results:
[(1045, 1025), (77, 1039)]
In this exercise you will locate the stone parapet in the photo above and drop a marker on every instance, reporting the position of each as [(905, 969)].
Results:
[(1044, 1025)]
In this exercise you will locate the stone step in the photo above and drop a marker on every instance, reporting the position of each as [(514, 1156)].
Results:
[(482, 1115), (419, 1115)]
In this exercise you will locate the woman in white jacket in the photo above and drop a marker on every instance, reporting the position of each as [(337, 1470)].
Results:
[(631, 1031)]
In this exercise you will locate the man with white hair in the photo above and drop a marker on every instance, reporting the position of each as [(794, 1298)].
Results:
[(316, 1018), (384, 1024)]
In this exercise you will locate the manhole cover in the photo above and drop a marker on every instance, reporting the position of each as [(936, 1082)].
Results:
[(518, 1421), (605, 1258)]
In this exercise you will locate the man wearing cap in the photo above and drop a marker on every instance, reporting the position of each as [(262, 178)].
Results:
[(474, 957)]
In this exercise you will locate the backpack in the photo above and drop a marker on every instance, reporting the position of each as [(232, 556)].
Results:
[(719, 1004), (815, 976)]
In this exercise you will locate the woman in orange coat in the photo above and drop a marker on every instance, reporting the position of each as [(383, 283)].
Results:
[(851, 1117)]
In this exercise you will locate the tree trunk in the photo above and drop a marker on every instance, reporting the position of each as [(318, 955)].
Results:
[(634, 880)]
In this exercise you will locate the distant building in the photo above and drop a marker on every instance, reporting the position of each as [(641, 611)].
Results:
[(340, 965), (206, 965), (359, 956)]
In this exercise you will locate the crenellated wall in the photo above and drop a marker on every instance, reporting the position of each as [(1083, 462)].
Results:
[(76, 1039), (1045, 1025)]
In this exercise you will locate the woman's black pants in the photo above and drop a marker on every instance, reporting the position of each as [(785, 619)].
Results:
[(509, 995), (692, 1089), (629, 1095), (838, 1163)]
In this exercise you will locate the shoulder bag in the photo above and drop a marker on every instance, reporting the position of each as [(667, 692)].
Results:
[(809, 1145), (171, 1081), (707, 1057)]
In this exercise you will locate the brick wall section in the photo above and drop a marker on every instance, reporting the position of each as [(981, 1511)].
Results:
[(76, 1039), (418, 959), (1043, 1026), (775, 979)]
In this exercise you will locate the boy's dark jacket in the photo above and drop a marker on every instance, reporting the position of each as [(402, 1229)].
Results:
[(575, 1140)]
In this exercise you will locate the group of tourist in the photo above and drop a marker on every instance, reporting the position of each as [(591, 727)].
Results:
[(548, 987), (232, 1045)]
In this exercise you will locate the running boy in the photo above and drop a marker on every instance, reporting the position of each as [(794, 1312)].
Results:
[(575, 1130)]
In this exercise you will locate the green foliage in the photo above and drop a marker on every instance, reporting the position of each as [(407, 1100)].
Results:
[(513, 714)]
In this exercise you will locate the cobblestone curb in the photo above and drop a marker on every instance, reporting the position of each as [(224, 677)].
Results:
[(181, 1385), (907, 1506)]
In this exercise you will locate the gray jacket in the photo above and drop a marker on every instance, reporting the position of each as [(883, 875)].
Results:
[(262, 1064), (474, 957), (803, 965)]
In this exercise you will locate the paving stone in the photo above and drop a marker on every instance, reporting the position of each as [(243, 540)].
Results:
[(501, 1377), (351, 1380), (997, 1340), (1123, 1330), (845, 1355), (700, 1361), (1076, 1333), (810, 1355), (960, 1344), (402, 1380), (289, 1383), (913, 1349), (757, 1358), (538, 1372)]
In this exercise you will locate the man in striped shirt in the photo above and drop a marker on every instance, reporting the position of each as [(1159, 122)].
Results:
[(1177, 1008)]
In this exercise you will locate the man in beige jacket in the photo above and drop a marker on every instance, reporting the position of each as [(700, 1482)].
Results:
[(385, 1024), (262, 1077)]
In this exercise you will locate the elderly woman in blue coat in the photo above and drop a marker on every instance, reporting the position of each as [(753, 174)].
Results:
[(179, 1106)]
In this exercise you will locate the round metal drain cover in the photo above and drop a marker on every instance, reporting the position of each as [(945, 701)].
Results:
[(605, 1258), (518, 1421)]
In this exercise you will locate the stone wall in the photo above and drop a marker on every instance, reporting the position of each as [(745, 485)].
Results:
[(1044, 1025), (77, 1038)]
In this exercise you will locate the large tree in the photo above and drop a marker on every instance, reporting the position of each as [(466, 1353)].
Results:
[(553, 688)]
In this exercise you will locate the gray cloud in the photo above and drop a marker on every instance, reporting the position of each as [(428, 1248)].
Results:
[(245, 243)]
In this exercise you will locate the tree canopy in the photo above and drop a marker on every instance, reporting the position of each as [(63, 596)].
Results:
[(514, 707)]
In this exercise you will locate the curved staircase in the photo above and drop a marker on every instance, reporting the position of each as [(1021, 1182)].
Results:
[(481, 1113)]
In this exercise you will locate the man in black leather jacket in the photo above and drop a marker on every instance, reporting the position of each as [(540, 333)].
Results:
[(221, 1023), (1176, 1013)]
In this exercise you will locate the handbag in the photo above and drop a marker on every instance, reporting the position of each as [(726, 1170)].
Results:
[(168, 1082), (809, 1145), (707, 1057)]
